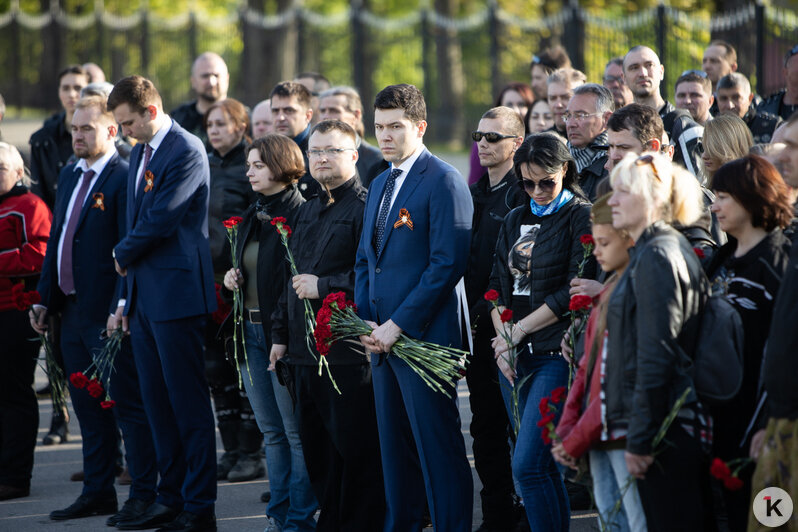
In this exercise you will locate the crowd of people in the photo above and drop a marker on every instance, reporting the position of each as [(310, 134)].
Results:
[(605, 193)]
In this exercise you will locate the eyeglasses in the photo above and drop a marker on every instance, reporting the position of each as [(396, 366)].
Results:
[(545, 185), (491, 136), (567, 117), (648, 159), (613, 79), (700, 73), (328, 152)]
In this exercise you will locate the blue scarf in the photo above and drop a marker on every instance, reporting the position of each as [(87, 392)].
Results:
[(554, 206)]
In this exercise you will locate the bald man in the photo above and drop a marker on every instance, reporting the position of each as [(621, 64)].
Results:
[(209, 81)]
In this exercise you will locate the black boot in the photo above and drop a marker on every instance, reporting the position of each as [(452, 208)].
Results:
[(58, 429)]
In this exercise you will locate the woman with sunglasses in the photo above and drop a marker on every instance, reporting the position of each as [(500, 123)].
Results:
[(653, 321), (537, 254)]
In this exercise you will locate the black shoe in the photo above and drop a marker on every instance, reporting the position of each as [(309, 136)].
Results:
[(58, 431), (155, 515), (266, 496), (86, 506), (248, 467), (13, 492), (188, 521), (226, 463), (132, 509)]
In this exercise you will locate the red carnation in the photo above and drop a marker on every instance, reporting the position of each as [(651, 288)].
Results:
[(78, 380), (491, 295), (507, 315), (543, 406), (94, 388), (33, 298), (339, 298), (558, 394), (719, 469), (587, 240), (232, 221), (699, 252), (108, 404), (580, 303), (278, 220), (732, 483), (545, 436), (545, 420), (18, 289)]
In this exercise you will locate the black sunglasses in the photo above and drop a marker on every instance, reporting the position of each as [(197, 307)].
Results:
[(490, 137), (699, 73), (546, 185)]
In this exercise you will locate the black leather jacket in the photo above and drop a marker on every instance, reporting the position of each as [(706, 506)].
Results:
[(653, 320)]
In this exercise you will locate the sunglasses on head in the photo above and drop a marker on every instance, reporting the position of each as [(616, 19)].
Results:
[(546, 185), (648, 159), (491, 136), (700, 73)]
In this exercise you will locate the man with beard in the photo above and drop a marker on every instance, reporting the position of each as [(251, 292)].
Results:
[(210, 81), (338, 430)]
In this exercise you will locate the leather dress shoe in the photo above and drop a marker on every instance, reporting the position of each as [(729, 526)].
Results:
[(155, 515), (189, 522), (132, 509), (86, 506), (13, 492)]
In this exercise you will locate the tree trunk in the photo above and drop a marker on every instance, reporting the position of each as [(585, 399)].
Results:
[(447, 119)]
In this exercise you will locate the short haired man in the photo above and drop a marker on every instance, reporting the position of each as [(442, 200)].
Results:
[(693, 92), (78, 283), (720, 59), (262, 122), (95, 73), (316, 83), (561, 85), (586, 122), (51, 146), (542, 65), (338, 431), (291, 114), (343, 103), (210, 80), (785, 102), (734, 97), (404, 264), (166, 261), (615, 82), (644, 73), (498, 135)]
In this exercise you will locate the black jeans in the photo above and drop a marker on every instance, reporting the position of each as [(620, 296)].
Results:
[(19, 411), (341, 446), (490, 429)]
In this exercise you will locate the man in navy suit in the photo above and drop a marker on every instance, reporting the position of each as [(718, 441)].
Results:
[(411, 259), (165, 257), (78, 282)]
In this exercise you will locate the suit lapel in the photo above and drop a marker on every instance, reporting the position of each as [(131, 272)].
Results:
[(370, 221), (414, 177), (133, 169)]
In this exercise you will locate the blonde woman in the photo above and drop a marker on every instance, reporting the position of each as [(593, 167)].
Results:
[(653, 319), (726, 138)]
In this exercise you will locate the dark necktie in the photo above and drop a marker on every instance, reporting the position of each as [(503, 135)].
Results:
[(382, 218), (147, 157), (67, 282)]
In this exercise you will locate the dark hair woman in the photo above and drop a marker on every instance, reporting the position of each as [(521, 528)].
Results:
[(653, 320), (752, 205), (537, 254), (274, 165), (24, 229)]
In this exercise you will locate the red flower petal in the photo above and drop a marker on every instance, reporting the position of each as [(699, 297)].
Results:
[(507, 315), (699, 252), (491, 295), (732, 483), (558, 394), (108, 404), (587, 240), (719, 469), (580, 303)]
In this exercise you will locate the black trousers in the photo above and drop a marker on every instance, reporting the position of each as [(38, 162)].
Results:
[(341, 446), (490, 429), (19, 411)]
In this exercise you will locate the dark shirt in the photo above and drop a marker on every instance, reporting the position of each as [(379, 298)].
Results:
[(192, 121), (761, 124), (50, 150), (370, 163), (774, 105), (308, 186)]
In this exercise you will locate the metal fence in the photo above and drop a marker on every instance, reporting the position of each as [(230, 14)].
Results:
[(367, 49)]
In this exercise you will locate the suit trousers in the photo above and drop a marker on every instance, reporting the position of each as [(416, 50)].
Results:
[(341, 446), (19, 411), (171, 368), (422, 451)]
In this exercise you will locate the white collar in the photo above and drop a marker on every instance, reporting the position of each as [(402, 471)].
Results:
[(99, 165), (410, 161)]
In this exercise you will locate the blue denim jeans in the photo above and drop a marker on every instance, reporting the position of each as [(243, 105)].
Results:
[(610, 476), (542, 487), (293, 503)]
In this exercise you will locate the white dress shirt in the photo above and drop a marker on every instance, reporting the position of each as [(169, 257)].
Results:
[(405, 168)]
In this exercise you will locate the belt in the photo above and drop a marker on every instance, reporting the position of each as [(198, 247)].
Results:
[(252, 315)]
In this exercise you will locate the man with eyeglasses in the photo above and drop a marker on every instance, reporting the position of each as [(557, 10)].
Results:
[(498, 136), (644, 73), (615, 82), (693, 93), (338, 431), (785, 102), (586, 124), (734, 97)]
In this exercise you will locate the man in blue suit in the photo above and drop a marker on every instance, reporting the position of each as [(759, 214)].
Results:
[(78, 282), (411, 259), (165, 257)]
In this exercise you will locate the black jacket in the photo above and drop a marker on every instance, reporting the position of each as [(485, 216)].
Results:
[(370, 163), (308, 186), (555, 259), (591, 176), (272, 274), (774, 105), (685, 134), (653, 319), (192, 121), (324, 243), (491, 205), (761, 124), (50, 150), (230, 195)]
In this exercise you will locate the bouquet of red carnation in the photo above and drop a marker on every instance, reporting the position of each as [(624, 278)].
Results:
[(96, 379), (579, 306), (55, 375), (723, 471), (438, 366), (231, 224)]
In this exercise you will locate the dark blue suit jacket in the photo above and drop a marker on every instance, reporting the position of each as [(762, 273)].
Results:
[(413, 280), (166, 250), (97, 233)]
